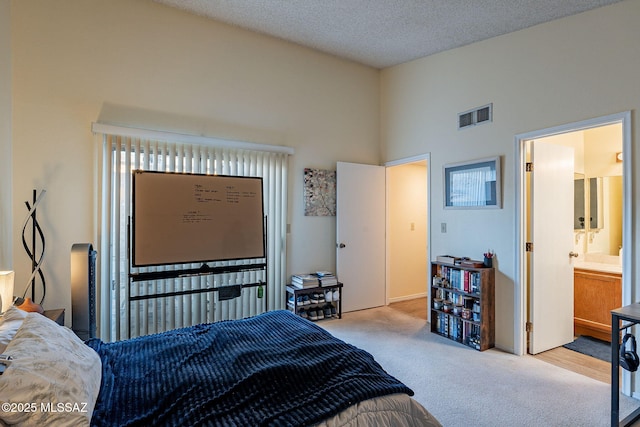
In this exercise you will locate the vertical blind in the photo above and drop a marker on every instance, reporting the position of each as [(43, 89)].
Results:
[(121, 318)]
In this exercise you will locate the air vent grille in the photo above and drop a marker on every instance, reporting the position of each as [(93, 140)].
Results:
[(483, 114), (476, 116), (465, 120)]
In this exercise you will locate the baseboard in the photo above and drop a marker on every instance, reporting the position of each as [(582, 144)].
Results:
[(407, 297)]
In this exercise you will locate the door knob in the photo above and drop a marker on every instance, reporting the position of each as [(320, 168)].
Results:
[(341, 245), (573, 254)]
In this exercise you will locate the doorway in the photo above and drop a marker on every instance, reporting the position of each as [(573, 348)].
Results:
[(522, 257), (521, 295), (407, 231), (592, 225)]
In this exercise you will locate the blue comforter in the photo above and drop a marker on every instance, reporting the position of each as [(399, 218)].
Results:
[(272, 369)]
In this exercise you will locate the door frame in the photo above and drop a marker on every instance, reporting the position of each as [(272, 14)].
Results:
[(404, 161), (520, 294)]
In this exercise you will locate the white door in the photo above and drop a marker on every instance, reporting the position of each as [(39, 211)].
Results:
[(551, 291), (360, 233)]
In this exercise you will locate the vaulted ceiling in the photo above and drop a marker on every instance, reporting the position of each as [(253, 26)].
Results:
[(383, 33)]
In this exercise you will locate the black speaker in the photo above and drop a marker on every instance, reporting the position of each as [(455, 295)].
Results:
[(629, 358), (83, 290)]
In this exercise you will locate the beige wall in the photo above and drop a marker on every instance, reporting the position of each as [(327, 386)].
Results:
[(600, 147), (6, 262), (143, 64), (140, 63), (565, 71), (407, 231), (613, 211)]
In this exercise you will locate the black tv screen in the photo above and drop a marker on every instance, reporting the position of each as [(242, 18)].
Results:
[(180, 218)]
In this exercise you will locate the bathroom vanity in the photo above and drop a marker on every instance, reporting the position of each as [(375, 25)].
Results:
[(597, 274), (597, 291)]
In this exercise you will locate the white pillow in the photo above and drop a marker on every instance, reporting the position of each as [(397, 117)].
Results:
[(53, 372), (9, 324)]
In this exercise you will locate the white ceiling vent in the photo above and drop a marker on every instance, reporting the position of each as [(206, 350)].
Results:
[(476, 116)]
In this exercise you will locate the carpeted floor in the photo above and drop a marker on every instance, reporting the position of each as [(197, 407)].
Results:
[(464, 387), (591, 347)]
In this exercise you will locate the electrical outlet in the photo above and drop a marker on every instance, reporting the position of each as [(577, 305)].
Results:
[(443, 227)]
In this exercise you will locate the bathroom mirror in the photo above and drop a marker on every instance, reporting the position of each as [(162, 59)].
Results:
[(587, 203), (598, 212), (578, 202)]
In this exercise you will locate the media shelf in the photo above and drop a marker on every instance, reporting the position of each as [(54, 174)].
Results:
[(463, 304), (301, 301)]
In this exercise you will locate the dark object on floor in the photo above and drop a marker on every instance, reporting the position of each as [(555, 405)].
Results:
[(591, 347)]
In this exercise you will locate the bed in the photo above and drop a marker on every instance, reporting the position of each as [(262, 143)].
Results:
[(272, 369)]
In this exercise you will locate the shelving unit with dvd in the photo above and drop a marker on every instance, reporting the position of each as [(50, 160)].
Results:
[(463, 304)]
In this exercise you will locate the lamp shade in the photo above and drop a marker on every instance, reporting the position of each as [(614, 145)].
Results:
[(6, 289)]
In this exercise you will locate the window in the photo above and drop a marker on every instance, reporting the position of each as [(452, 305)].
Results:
[(121, 318)]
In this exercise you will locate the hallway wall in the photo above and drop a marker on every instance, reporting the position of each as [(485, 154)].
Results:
[(407, 231)]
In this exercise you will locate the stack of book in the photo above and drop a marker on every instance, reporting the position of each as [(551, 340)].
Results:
[(313, 280), (304, 281), (326, 278), (447, 259)]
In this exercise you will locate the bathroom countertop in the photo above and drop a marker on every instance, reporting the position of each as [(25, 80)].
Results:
[(598, 266)]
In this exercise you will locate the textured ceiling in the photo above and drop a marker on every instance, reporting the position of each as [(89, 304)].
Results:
[(382, 33)]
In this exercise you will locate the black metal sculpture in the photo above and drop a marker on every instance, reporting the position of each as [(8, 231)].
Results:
[(36, 262)]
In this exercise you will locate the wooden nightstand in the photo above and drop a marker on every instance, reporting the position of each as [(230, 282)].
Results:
[(57, 315)]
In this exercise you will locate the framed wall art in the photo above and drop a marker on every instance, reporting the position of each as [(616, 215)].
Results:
[(474, 184), (319, 192)]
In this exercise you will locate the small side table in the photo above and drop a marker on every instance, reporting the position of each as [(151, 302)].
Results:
[(57, 315), (631, 315)]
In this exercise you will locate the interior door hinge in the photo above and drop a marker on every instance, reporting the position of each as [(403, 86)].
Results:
[(529, 327), (528, 167), (528, 247)]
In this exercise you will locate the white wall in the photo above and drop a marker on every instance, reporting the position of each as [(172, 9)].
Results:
[(573, 69), (6, 261), (143, 64)]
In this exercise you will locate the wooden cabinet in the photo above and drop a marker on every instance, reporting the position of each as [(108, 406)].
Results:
[(463, 304), (595, 294)]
